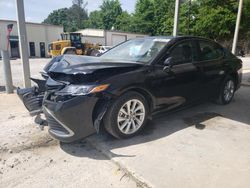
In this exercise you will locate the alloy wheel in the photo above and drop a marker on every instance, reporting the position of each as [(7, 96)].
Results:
[(228, 90), (131, 116)]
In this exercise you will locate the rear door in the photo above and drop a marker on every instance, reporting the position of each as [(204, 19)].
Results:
[(211, 57)]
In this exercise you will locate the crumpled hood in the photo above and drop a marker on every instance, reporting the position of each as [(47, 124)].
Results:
[(73, 64), (84, 69)]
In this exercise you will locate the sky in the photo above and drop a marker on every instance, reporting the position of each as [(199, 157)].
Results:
[(38, 10)]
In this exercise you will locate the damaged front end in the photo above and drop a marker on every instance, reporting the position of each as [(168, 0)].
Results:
[(74, 96), (33, 97), (69, 116), (73, 111)]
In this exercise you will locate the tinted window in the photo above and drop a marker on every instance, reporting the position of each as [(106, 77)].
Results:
[(210, 51), (183, 53)]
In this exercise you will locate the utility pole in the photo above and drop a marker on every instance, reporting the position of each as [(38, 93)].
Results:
[(4, 47), (237, 27), (23, 42), (176, 17), (7, 71)]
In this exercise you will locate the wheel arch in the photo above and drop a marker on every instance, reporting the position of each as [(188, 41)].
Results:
[(235, 76), (102, 104), (149, 97)]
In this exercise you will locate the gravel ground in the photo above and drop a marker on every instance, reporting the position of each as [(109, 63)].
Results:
[(29, 157)]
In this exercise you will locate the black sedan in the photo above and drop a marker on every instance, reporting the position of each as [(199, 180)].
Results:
[(128, 84)]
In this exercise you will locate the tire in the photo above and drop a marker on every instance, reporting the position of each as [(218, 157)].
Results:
[(226, 92), (121, 124)]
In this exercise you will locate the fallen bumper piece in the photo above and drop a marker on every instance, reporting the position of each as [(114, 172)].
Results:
[(32, 99)]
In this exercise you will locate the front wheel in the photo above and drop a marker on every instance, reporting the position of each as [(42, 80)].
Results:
[(127, 115), (227, 90)]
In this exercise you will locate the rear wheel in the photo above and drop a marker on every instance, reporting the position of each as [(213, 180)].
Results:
[(227, 90), (127, 115)]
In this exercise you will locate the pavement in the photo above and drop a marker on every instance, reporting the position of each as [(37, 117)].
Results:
[(246, 71), (204, 146), (207, 145)]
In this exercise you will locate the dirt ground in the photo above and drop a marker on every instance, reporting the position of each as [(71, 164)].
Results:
[(29, 157)]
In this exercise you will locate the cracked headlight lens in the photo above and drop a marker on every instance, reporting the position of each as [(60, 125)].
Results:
[(76, 90)]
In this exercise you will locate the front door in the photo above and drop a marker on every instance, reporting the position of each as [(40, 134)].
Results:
[(181, 83), (42, 49)]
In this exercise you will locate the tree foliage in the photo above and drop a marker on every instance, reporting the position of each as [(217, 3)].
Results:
[(215, 19), (95, 20), (124, 22), (72, 18), (58, 17), (144, 16), (209, 18), (110, 10)]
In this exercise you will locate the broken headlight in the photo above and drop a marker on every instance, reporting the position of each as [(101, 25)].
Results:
[(76, 90)]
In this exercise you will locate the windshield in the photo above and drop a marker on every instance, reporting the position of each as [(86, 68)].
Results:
[(75, 37), (139, 50)]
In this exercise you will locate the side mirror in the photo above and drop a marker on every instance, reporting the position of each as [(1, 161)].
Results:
[(168, 64)]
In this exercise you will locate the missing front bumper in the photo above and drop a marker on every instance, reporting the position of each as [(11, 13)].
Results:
[(32, 99)]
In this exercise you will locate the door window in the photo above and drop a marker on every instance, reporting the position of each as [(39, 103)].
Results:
[(183, 53), (210, 51)]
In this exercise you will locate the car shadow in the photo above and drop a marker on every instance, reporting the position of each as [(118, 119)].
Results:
[(165, 124), (82, 149)]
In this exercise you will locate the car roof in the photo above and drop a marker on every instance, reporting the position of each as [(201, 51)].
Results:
[(174, 39), (177, 37)]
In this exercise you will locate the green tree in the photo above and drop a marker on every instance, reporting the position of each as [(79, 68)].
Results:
[(72, 18), (124, 22), (77, 15), (163, 17), (209, 18), (58, 17), (110, 10), (245, 20), (143, 18), (215, 19), (95, 20)]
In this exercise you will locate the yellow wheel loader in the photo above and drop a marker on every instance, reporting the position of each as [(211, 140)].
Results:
[(71, 43)]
